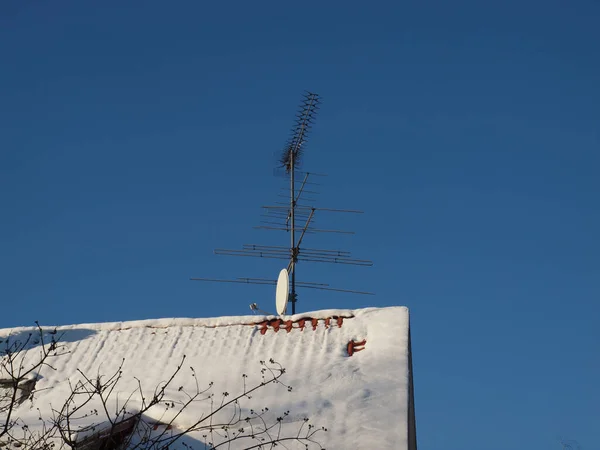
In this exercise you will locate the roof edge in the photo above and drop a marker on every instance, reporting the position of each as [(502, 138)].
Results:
[(206, 322)]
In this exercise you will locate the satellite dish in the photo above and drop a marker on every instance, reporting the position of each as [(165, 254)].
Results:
[(282, 292)]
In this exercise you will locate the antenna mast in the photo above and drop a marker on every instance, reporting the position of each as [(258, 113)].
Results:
[(283, 217), (289, 158)]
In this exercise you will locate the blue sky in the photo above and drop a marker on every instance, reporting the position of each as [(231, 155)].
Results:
[(135, 138)]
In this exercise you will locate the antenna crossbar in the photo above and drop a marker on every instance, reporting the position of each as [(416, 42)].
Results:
[(280, 224), (297, 205), (334, 255), (309, 230), (266, 282), (331, 258), (304, 283), (251, 255), (256, 246), (338, 290), (282, 215), (337, 261), (275, 207), (217, 280)]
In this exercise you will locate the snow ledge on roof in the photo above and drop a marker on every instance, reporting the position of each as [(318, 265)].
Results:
[(206, 322)]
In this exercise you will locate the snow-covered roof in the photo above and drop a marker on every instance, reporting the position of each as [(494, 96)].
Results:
[(350, 370)]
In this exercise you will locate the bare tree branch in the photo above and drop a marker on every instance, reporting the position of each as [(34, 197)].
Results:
[(96, 414)]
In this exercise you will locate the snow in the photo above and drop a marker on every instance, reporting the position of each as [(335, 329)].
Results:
[(362, 400)]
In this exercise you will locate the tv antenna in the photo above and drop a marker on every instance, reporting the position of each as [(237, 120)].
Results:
[(297, 217)]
